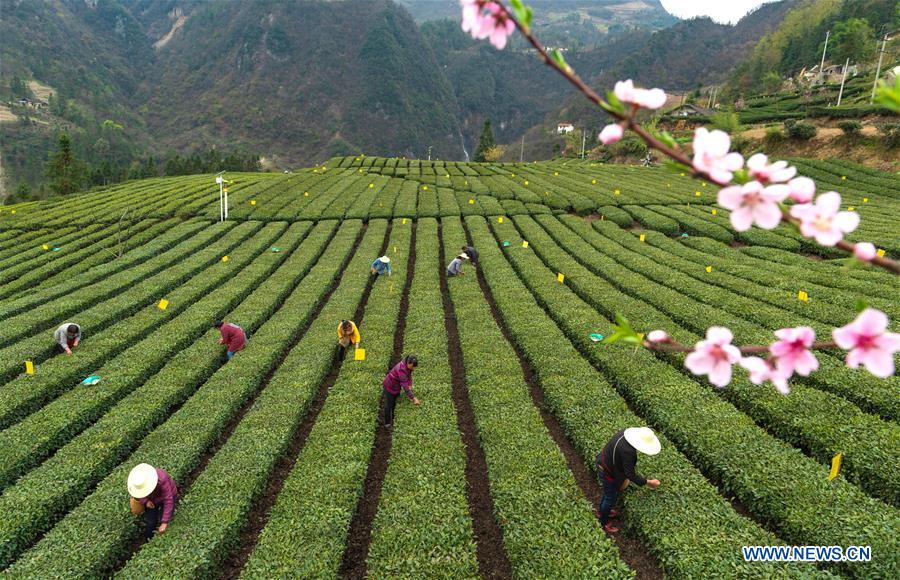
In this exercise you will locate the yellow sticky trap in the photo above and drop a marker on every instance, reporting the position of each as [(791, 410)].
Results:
[(643, 237), (696, 194), (371, 185), (471, 202), (865, 200), (500, 220), (560, 277), (395, 249), (715, 211), (850, 208), (835, 466), (526, 183), (359, 354), (45, 247), (524, 243), (602, 217), (224, 258), (709, 269), (513, 174), (556, 173), (880, 253), (29, 367), (703, 184), (617, 192), (682, 174), (802, 296), (425, 188), (252, 202), (12, 211), (843, 178), (225, 189), (163, 304), (593, 182), (668, 185), (403, 221), (467, 182), (305, 194), (448, 175)]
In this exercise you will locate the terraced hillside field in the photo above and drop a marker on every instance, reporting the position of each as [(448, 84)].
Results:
[(282, 466)]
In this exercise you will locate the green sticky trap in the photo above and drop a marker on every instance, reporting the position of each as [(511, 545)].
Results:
[(596, 337), (91, 380), (505, 244)]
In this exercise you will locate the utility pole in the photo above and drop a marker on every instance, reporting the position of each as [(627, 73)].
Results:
[(878, 69), (429, 152), (843, 78), (522, 149), (583, 141), (223, 197), (822, 64)]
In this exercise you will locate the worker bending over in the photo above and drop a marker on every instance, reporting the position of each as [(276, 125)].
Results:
[(382, 265), (400, 377), (455, 267), (67, 336), (615, 467), (233, 337), (153, 495), (348, 334)]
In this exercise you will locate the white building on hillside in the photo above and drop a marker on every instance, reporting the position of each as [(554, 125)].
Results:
[(564, 128)]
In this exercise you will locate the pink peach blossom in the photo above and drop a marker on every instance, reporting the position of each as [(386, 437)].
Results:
[(711, 155), (802, 189), (611, 133), (823, 221), (752, 203), (761, 371), (497, 26), (865, 251), (791, 352), (761, 170), (658, 336), (626, 92), (714, 356), (869, 343)]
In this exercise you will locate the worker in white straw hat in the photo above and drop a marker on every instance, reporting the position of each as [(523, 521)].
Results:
[(455, 267), (615, 467), (153, 494), (382, 265)]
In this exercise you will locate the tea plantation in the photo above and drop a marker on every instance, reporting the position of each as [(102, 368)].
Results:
[(282, 466)]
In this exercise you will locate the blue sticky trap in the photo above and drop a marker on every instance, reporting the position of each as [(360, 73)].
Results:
[(505, 244), (91, 380), (276, 250), (596, 337), (55, 250), (684, 235)]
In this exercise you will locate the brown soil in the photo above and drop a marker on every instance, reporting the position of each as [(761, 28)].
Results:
[(631, 550), (259, 513), (493, 562), (592, 217), (359, 537)]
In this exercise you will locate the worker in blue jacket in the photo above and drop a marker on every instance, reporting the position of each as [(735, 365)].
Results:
[(382, 266)]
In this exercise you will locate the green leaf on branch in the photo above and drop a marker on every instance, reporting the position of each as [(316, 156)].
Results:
[(888, 96), (613, 104), (623, 332), (741, 176), (524, 14), (861, 304), (560, 60), (666, 138)]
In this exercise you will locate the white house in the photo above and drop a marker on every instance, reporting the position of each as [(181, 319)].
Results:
[(563, 128)]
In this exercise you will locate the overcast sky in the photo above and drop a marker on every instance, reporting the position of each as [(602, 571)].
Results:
[(724, 11)]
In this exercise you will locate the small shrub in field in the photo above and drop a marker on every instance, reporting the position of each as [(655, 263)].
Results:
[(727, 122), (774, 135), (890, 134), (850, 127), (801, 131)]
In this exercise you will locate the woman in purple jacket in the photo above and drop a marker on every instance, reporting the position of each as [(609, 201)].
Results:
[(153, 495), (400, 377)]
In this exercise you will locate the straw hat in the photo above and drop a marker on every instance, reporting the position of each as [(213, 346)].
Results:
[(464, 256), (643, 439), (385, 259), (142, 480)]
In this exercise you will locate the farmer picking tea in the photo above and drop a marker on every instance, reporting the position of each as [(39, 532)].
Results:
[(399, 378), (472, 253), (455, 267), (233, 337), (67, 337), (348, 334), (615, 467), (153, 495), (382, 266)]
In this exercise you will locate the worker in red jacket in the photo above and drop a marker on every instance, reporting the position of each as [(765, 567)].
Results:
[(400, 377), (153, 495), (232, 336)]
